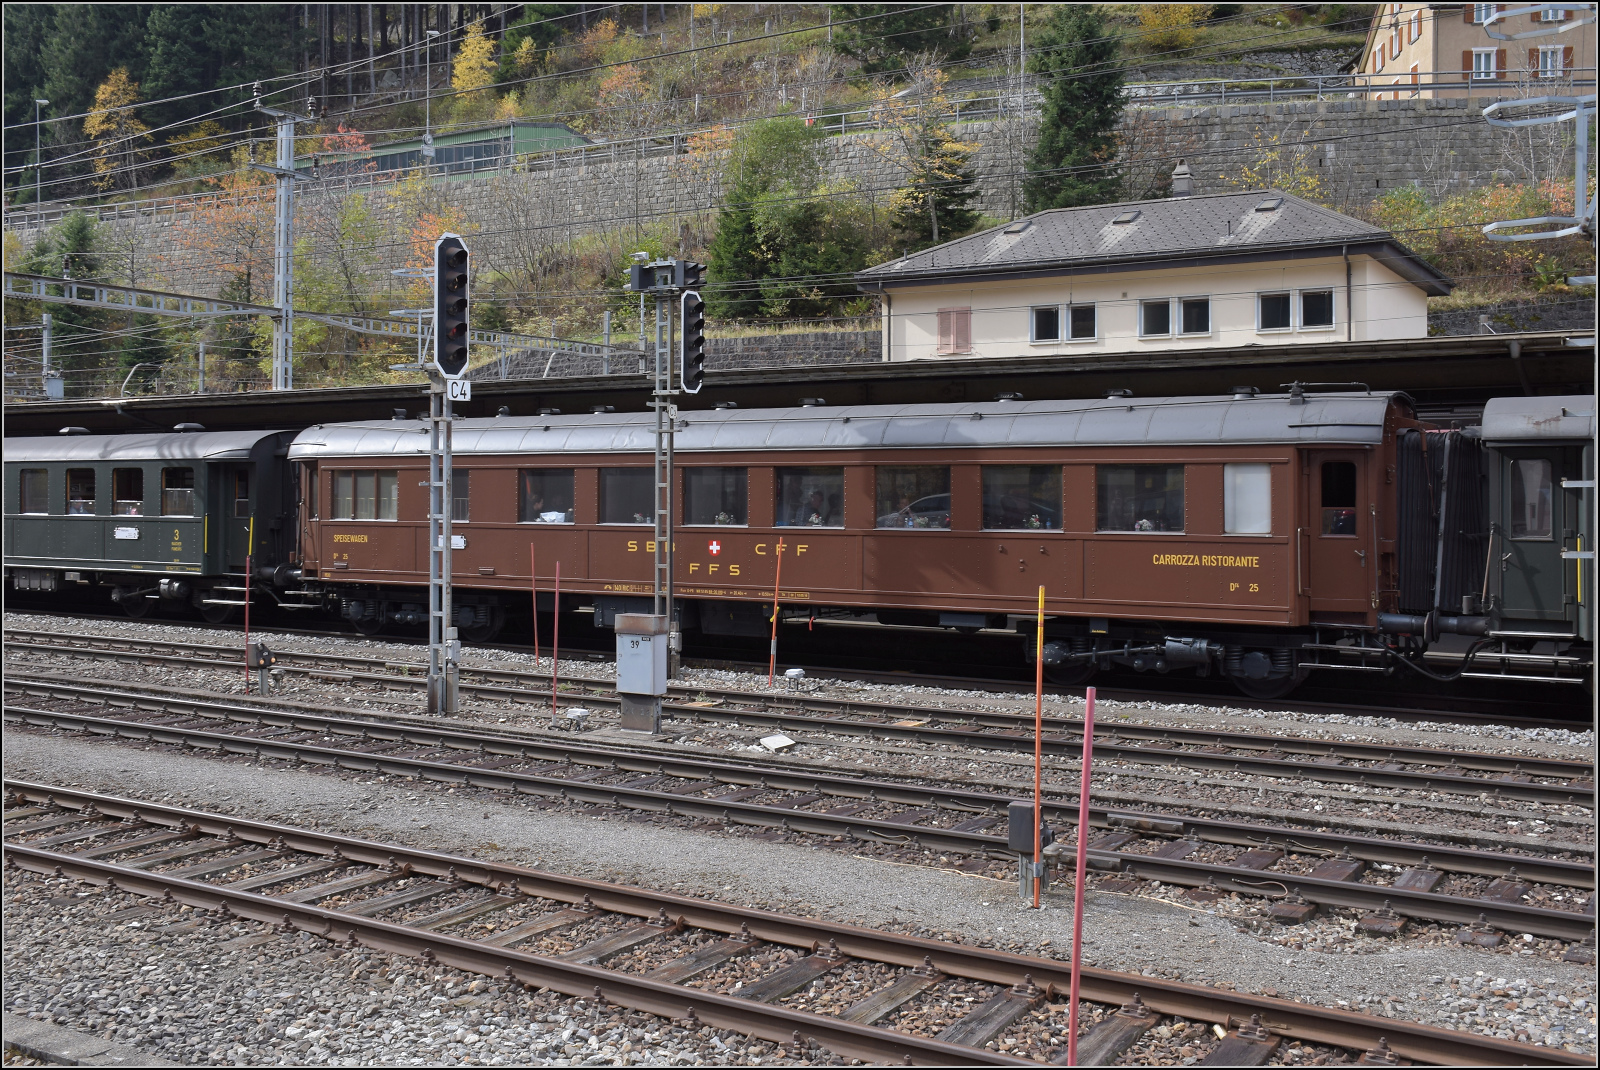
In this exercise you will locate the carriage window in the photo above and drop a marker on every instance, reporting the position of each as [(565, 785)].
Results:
[(627, 496), (127, 491), (1247, 499), (366, 495), (810, 497), (1022, 496), (313, 502), (1338, 498), (460, 495), (177, 492), (1139, 497), (33, 491), (241, 494), (914, 497), (1530, 499), (80, 491), (546, 496), (716, 496)]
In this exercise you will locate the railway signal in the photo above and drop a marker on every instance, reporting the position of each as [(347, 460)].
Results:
[(451, 263), (692, 369)]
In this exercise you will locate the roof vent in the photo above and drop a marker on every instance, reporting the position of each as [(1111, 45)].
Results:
[(185, 429), (1242, 393), (1009, 396), (812, 403), (727, 404), (1119, 392), (398, 414), (602, 408), (505, 410), (74, 431), (1019, 226), (1127, 217), (549, 412), (1182, 180), (1271, 204)]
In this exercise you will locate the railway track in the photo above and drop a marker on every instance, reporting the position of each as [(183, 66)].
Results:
[(1385, 881), (659, 953), (1476, 708), (1265, 754)]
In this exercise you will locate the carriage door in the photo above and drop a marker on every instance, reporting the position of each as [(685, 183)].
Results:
[(1535, 583), (232, 513), (1337, 536)]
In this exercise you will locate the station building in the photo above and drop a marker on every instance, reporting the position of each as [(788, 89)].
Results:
[(1220, 271)]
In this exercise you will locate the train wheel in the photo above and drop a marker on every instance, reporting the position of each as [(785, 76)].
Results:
[(137, 606), (1072, 674), (370, 626), (218, 614), (1270, 688), (484, 633)]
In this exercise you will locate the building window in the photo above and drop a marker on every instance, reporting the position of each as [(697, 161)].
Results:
[(1047, 323), (1139, 497), (1247, 499), (33, 491), (1377, 56), (1339, 498), (1482, 13), (1414, 28), (955, 330), (1155, 318), (1550, 62), (1196, 315), (127, 491), (241, 494), (546, 496), (1530, 499), (914, 497), (1082, 322), (1552, 14), (716, 496), (1316, 309), (80, 492), (1022, 496), (1272, 312), (177, 492), (627, 496), (460, 495), (366, 495), (1483, 65), (810, 497)]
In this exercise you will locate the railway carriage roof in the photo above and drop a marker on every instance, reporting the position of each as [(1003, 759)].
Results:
[(1333, 418), (1538, 419), (162, 446)]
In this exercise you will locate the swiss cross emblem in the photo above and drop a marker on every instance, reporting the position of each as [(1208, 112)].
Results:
[(715, 547)]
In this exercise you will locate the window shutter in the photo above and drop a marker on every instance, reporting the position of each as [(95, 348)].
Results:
[(944, 330), (1499, 63), (1467, 11), (1533, 61), (1466, 65), (962, 330), (1566, 58)]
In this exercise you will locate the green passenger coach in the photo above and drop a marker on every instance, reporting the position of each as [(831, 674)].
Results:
[(158, 518)]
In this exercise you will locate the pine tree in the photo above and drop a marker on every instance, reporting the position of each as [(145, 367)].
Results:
[(884, 37), (1073, 162)]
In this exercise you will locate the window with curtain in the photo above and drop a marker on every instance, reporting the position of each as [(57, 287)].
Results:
[(545, 496), (33, 491), (1247, 499), (177, 492)]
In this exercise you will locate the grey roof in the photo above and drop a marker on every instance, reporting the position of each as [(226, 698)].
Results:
[(162, 446), (1337, 418), (1068, 240), (1568, 417)]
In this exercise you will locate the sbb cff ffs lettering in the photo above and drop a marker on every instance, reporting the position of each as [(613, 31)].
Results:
[(451, 272)]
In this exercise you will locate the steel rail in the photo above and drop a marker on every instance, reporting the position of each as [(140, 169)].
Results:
[(1513, 917), (1574, 792), (924, 678), (309, 662), (916, 794), (1344, 1029)]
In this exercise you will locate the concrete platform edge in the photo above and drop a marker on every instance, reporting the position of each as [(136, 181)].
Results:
[(58, 1044)]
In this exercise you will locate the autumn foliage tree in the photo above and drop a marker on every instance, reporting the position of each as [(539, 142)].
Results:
[(120, 139)]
